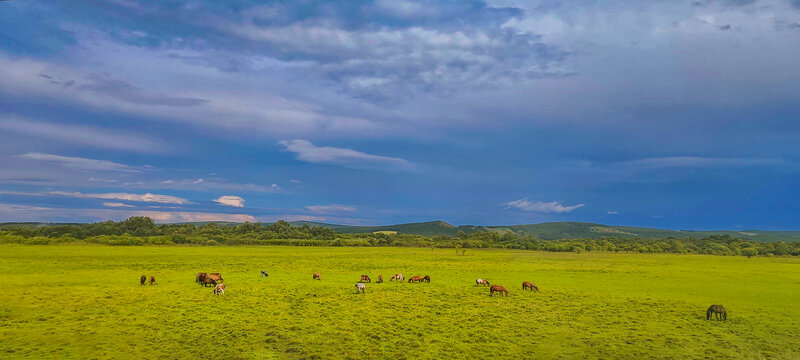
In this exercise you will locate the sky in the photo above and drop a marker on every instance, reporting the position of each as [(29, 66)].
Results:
[(669, 114)]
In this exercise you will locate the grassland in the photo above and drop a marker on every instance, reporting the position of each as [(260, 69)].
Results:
[(83, 301)]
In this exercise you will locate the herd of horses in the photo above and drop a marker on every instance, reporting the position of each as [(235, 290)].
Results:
[(215, 280)]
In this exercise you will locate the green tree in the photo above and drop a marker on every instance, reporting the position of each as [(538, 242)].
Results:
[(749, 252)]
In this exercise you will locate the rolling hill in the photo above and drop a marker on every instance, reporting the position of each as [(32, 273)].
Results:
[(558, 230)]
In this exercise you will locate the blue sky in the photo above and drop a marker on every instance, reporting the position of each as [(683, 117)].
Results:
[(671, 114)]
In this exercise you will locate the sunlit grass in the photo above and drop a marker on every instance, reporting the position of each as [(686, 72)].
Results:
[(86, 302)]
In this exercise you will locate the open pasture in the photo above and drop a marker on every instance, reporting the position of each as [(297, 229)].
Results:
[(80, 301)]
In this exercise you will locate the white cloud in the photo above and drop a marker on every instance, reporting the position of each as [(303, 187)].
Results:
[(294, 181), (82, 135), (265, 112), (612, 212), (333, 208), (79, 163), (13, 212), (230, 200), (116, 204), (308, 152), (148, 197), (542, 207), (211, 184)]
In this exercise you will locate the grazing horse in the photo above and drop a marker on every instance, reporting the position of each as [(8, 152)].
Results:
[(397, 277), (316, 276), (142, 279), (200, 277), (481, 282), (529, 285), (264, 273), (152, 280), (360, 287), (216, 276), (219, 289), (414, 279), (209, 281), (380, 279), (497, 288), (365, 278), (718, 311), (426, 278)]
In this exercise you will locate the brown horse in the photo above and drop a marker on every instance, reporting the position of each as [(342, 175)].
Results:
[(426, 278), (481, 282), (209, 281), (414, 279), (219, 289), (216, 276), (397, 277), (365, 278), (718, 311), (142, 279), (380, 279), (316, 276), (497, 288), (529, 285), (200, 277), (152, 280)]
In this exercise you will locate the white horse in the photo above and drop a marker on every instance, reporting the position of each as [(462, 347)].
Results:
[(219, 289), (360, 287), (481, 282), (397, 277), (264, 273)]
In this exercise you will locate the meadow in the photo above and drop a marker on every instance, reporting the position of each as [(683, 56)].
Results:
[(85, 301)]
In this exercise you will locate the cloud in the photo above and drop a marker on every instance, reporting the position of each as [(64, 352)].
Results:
[(173, 217), (542, 207), (230, 200), (612, 212), (308, 152), (13, 212), (79, 163), (211, 184), (223, 107), (103, 84), (116, 204), (696, 161), (82, 135), (333, 208), (148, 197)]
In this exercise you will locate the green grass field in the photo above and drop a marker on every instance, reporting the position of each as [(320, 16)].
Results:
[(85, 302)]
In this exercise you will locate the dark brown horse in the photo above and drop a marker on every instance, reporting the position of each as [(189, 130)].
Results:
[(316, 276), (199, 278), (152, 280), (426, 278), (414, 279), (529, 285), (209, 281), (718, 311), (380, 279), (216, 276), (497, 288), (365, 278), (143, 279)]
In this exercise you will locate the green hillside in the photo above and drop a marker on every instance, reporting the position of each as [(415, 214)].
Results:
[(558, 230)]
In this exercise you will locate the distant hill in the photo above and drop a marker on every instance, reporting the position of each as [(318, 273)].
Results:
[(545, 231), (558, 230)]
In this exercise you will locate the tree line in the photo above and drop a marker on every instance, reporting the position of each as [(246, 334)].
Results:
[(143, 231)]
